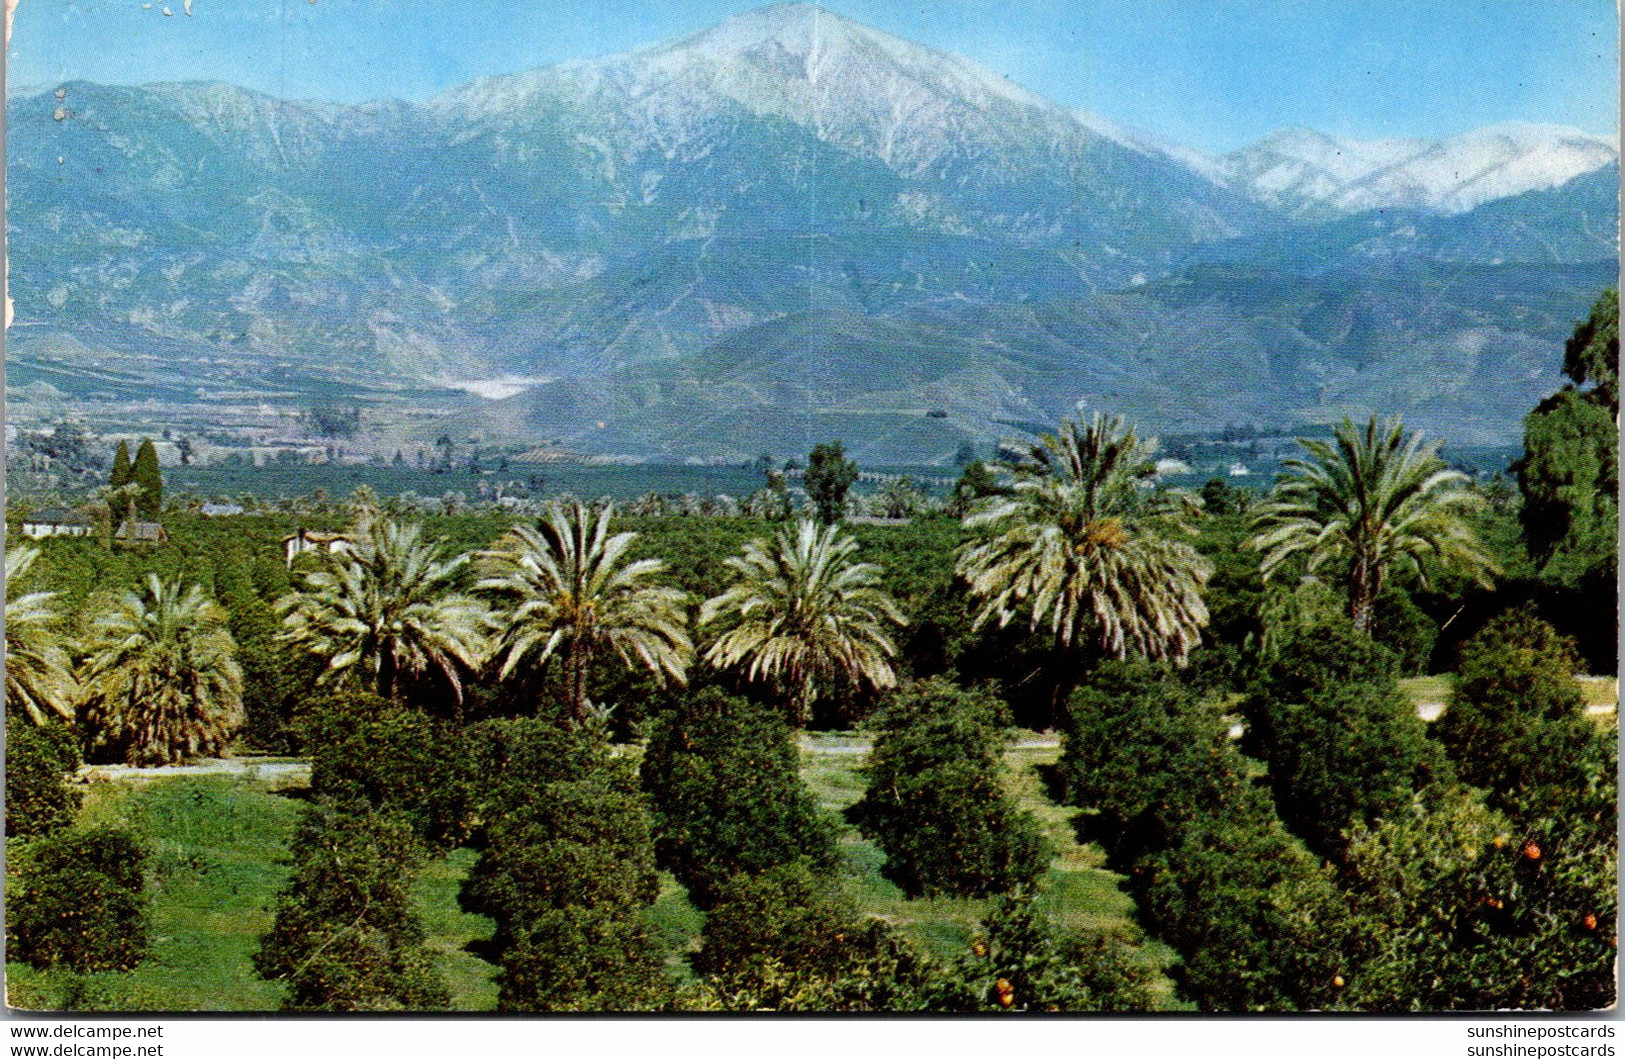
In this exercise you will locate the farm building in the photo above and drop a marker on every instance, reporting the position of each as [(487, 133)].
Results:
[(134, 531), (56, 522)]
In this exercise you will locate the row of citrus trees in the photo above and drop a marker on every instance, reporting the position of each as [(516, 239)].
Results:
[(1074, 541)]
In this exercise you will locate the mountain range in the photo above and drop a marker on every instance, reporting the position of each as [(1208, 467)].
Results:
[(788, 227)]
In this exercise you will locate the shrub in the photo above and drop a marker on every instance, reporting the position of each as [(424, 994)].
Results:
[(1343, 742), (347, 936), (512, 762), (1019, 962), (723, 776), (1406, 630), (1139, 750), (1255, 919), (1515, 724), (577, 958), (567, 871), (1461, 909), (364, 749), (792, 913), (75, 899), (39, 800), (878, 970), (936, 804), (787, 939)]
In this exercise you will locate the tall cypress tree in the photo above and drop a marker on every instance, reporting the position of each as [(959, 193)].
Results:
[(121, 466), (146, 474)]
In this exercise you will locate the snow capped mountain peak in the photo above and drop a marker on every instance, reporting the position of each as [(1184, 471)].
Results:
[(1308, 171)]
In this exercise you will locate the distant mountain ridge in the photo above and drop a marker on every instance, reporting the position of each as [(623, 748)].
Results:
[(1299, 169), (631, 226)]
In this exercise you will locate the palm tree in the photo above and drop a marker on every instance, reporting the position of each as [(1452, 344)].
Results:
[(572, 594), (1369, 503), (388, 606), (1082, 548), (39, 677), (160, 674), (802, 613)]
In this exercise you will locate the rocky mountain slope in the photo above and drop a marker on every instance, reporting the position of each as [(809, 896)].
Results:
[(787, 224)]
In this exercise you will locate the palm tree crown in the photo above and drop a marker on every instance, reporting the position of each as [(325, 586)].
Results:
[(801, 613), (571, 593), (1370, 502), (389, 606), (39, 677), (160, 674), (1084, 550)]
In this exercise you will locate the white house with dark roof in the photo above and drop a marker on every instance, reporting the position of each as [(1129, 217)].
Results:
[(56, 522)]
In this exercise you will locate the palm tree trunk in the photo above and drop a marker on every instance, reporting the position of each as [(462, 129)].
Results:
[(578, 662), (1363, 585), (386, 676)]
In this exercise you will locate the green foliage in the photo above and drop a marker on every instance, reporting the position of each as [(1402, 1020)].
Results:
[(570, 592), (1457, 908), (38, 764), (1569, 477), (388, 610), (39, 678), (567, 871), (723, 777), (160, 674), (802, 616), (1569, 472), (936, 803), (122, 472), (364, 749), (1515, 725), (794, 913), (1253, 916), (976, 482), (1591, 355), (347, 936), (788, 940), (1219, 497), (274, 678), (1343, 742), (1146, 756), (1372, 504), (582, 959), (1020, 962), (1084, 555), (75, 899), (145, 473), (1256, 920), (1406, 630), (828, 477)]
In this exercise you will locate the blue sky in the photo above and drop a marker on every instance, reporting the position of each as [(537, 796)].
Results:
[(1213, 74)]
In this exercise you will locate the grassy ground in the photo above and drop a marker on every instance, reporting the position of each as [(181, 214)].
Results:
[(215, 848), (1598, 691), (469, 978), (218, 845), (1079, 891)]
